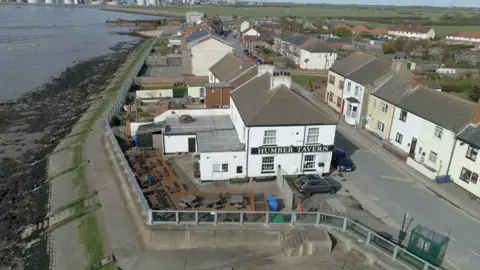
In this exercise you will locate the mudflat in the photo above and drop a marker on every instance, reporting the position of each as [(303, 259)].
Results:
[(30, 128)]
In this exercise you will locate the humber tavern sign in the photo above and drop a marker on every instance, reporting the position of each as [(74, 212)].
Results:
[(291, 149)]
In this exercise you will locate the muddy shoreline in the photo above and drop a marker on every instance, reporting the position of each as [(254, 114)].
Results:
[(30, 128)]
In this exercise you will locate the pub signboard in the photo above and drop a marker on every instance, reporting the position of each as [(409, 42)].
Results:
[(291, 149)]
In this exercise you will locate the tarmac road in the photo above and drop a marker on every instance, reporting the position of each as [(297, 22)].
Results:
[(382, 184)]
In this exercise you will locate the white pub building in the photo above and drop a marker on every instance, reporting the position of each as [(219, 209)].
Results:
[(267, 127)]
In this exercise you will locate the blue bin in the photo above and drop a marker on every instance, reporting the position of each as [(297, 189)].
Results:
[(443, 179), (272, 203)]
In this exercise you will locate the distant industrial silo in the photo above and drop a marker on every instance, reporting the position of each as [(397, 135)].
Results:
[(142, 2), (68, 2), (48, 1), (32, 1)]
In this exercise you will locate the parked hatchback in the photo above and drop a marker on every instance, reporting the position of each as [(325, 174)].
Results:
[(314, 183), (341, 161)]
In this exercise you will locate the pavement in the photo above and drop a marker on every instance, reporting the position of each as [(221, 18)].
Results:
[(388, 188)]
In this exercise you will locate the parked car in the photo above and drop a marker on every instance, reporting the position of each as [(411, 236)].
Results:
[(258, 62), (314, 183), (245, 52), (342, 162)]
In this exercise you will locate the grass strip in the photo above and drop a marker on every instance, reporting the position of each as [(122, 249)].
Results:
[(88, 229)]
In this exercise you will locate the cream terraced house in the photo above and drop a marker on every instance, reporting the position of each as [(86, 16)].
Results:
[(381, 101), (465, 164), (424, 124), (337, 75)]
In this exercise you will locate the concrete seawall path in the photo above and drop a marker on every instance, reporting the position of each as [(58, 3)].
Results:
[(68, 242)]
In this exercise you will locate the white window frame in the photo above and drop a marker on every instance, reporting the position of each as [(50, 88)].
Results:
[(472, 153), (313, 135), (384, 107), (349, 86), (309, 162), (431, 155), (268, 164), (202, 92), (357, 90), (438, 132), (382, 125), (270, 137), (472, 177), (399, 138), (220, 167)]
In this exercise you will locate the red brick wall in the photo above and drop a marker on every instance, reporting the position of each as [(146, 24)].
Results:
[(476, 117), (217, 96)]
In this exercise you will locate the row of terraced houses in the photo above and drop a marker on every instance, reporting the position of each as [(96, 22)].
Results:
[(436, 133)]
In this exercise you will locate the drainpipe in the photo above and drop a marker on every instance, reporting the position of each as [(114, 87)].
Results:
[(451, 156), (303, 143), (248, 149)]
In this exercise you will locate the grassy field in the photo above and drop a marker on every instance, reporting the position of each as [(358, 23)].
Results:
[(300, 11), (439, 30)]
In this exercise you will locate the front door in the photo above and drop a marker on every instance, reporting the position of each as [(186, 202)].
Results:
[(192, 147), (413, 146)]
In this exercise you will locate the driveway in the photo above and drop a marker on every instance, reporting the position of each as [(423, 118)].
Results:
[(383, 186)]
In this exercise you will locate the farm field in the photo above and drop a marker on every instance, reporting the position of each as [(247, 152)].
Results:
[(300, 11), (440, 30)]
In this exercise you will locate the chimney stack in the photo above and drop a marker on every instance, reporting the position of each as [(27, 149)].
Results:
[(399, 64), (419, 79), (476, 117), (266, 67), (280, 78)]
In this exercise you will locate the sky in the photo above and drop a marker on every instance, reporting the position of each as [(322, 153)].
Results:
[(442, 3)]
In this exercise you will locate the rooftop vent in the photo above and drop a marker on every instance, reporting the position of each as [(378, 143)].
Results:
[(187, 119)]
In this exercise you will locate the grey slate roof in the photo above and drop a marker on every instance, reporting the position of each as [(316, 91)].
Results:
[(260, 106), (371, 71), (470, 134), (318, 46), (229, 67), (445, 110), (244, 77), (293, 38), (351, 63), (200, 36), (196, 35), (217, 85), (440, 108), (394, 87)]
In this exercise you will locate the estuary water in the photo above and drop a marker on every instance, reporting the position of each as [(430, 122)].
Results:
[(39, 42)]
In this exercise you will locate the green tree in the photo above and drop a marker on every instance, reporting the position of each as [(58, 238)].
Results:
[(448, 56), (388, 47), (343, 32), (399, 44), (270, 41), (474, 91), (306, 60), (410, 45)]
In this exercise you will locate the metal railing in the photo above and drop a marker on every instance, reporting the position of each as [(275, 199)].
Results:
[(114, 108), (365, 235)]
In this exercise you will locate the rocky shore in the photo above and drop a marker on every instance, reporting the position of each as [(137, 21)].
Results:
[(30, 128)]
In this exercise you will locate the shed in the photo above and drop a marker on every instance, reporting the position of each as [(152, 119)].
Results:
[(150, 136), (428, 244)]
